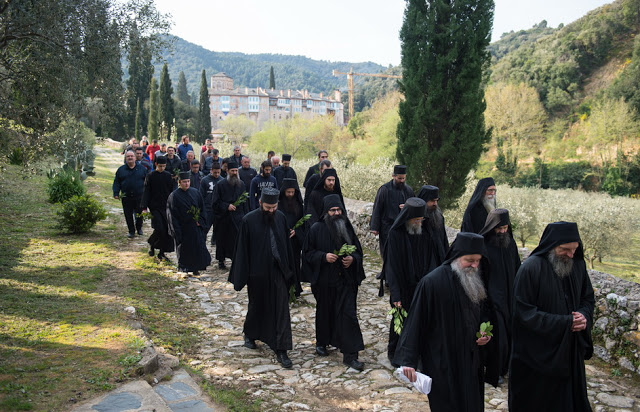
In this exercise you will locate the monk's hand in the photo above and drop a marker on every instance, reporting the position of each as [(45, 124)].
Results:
[(331, 257), (347, 261), (579, 322), (397, 304), (375, 232), (292, 233), (483, 340), (410, 373), (231, 208), (401, 206), (116, 197)]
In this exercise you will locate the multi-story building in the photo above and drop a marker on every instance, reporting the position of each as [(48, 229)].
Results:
[(262, 105)]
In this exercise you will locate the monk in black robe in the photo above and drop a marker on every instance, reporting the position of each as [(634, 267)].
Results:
[(328, 184), (406, 261), (334, 281), (228, 216), (313, 180), (185, 212), (552, 320), (504, 259), (389, 201), (447, 309), (434, 224), (290, 203), (158, 185), (285, 171), (483, 200), (263, 261), (207, 189)]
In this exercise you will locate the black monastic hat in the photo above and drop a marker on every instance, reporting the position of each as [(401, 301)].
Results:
[(286, 157), (428, 192), (161, 160), (231, 164), (466, 243), (331, 201), (400, 170), (185, 175), (270, 195)]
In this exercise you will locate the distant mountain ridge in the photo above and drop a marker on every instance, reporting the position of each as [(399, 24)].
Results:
[(252, 70)]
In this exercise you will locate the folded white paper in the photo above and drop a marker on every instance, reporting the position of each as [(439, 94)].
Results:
[(422, 383)]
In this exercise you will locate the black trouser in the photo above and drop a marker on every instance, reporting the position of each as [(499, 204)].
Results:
[(131, 208)]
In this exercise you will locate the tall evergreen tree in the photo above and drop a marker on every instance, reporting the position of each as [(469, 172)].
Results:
[(272, 79), (166, 110), (203, 130), (441, 133), (140, 73), (138, 129), (183, 93), (152, 126)]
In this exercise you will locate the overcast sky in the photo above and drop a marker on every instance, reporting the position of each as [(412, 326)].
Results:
[(334, 30)]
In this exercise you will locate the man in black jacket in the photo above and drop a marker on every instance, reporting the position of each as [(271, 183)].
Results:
[(128, 185)]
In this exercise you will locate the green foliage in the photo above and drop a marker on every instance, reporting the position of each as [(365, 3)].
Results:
[(237, 128), (183, 93), (72, 144), (17, 156), (485, 330), (166, 112), (80, 213), (203, 124), (345, 250), (152, 126), (441, 133), (509, 42), (138, 127), (399, 315), (65, 184), (186, 119), (272, 79), (301, 221), (252, 70), (241, 199)]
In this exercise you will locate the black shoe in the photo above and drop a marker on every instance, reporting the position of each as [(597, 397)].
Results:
[(162, 256), (284, 360), (221, 265), (355, 364), (250, 343), (131, 235), (152, 251), (140, 232), (322, 350), (196, 273)]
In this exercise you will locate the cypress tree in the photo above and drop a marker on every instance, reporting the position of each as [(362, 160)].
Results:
[(203, 130), (183, 93), (272, 79), (138, 130), (441, 133), (152, 127), (166, 110)]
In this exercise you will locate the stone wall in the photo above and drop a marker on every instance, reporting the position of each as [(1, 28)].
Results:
[(616, 330)]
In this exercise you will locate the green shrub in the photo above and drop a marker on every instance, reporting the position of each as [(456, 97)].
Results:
[(16, 157), (80, 213), (64, 185)]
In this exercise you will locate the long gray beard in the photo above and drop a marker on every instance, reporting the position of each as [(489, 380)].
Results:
[(500, 240), (489, 204), (338, 229), (435, 219), (561, 265), (471, 281), (413, 229), (233, 180)]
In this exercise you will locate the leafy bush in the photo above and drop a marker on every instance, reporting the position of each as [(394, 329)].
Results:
[(16, 157), (80, 213), (64, 185)]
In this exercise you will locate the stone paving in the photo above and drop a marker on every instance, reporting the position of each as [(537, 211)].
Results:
[(324, 383)]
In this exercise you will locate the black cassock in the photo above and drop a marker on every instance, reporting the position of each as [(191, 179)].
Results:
[(189, 237), (440, 333), (475, 215), (207, 188), (314, 203), (386, 208), (293, 215), (157, 188), (504, 262), (264, 262), (335, 289), (227, 223), (547, 361), (281, 173)]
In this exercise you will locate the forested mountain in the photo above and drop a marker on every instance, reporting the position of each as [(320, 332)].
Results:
[(252, 70), (513, 40)]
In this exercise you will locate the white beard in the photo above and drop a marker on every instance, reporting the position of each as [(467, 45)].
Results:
[(413, 229), (471, 281), (561, 266), (489, 204)]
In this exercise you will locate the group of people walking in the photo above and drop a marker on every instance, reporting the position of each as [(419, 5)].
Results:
[(465, 313)]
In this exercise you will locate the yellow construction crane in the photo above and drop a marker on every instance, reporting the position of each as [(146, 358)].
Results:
[(350, 75)]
